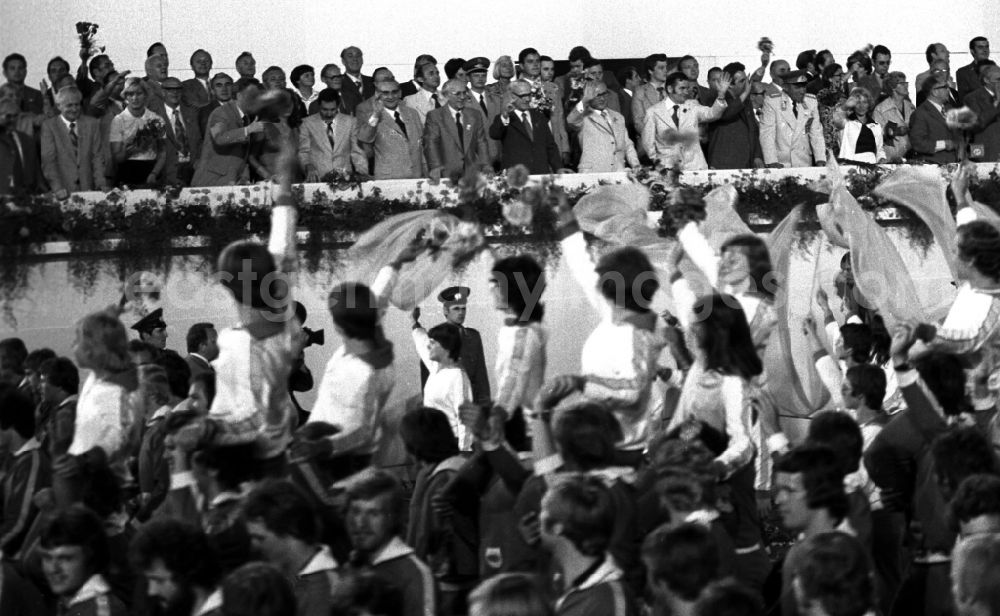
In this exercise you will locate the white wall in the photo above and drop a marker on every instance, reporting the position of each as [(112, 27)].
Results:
[(393, 32)]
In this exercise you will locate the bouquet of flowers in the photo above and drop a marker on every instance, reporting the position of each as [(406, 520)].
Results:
[(87, 33), (765, 45), (539, 99), (962, 119), (149, 134), (532, 206)]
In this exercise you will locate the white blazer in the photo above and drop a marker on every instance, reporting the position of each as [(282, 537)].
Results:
[(849, 138)]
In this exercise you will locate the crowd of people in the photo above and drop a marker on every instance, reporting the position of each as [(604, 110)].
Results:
[(103, 128)]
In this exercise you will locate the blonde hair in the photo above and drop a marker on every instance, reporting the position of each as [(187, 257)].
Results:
[(103, 342), (496, 65)]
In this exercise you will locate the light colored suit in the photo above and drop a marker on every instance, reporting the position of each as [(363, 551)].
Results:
[(69, 168), (659, 129), (494, 107), (789, 140), (604, 142), (194, 93), (225, 148), (445, 151), (644, 97), (422, 103), (397, 156), (315, 149)]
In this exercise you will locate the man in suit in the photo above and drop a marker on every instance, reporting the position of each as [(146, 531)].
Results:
[(246, 65), (939, 68), (395, 133), (455, 136), (15, 70), (413, 86), (968, 77), (226, 146), (427, 98), (203, 348), (531, 72), (222, 92), (930, 136), (524, 133), (935, 52), (90, 75), (328, 141), (356, 87), (72, 153), (672, 120), (651, 92), (630, 80), (734, 139), (183, 135), (985, 102), (331, 76), (19, 168), (198, 90), (455, 301), (488, 103), (791, 134), (156, 72), (603, 138), (692, 70)]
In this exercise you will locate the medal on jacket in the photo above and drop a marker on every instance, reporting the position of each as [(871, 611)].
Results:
[(784, 104)]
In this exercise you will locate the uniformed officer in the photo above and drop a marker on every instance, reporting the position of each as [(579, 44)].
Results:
[(153, 329), (455, 301), (791, 134)]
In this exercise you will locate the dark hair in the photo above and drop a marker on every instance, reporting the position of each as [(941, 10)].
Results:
[(674, 78), (829, 70), (978, 39), (685, 59), (527, 51), (354, 310), (149, 50), (880, 50), (13, 352), (862, 58), (733, 67), (79, 526), (141, 346), (428, 435), (517, 279), (245, 54), (217, 75), (178, 373), (650, 63), (448, 336), (627, 278), (869, 382), (821, 54), (591, 62), (373, 483), (193, 54), (233, 463), (979, 244), (34, 359), (930, 51), (835, 572), (183, 548), (805, 58), (451, 67), (728, 597), (684, 470), (197, 335), (245, 82), (61, 373), (626, 73), (95, 60), (822, 476), (420, 71), (585, 508), (944, 375), (724, 336), (685, 558), (360, 592), (977, 495), (961, 452), (14, 57), (207, 380), (578, 53), (284, 510), (329, 95), (17, 411), (299, 71), (758, 257), (858, 338), (841, 433), (272, 69), (239, 256), (419, 63), (586, 435), (257, 589)]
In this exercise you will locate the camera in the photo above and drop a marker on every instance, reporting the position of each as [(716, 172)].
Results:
[(314, 336)]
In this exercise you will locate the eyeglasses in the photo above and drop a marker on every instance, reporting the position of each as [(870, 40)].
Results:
[(515, 94), (461, 94), (389, 92)]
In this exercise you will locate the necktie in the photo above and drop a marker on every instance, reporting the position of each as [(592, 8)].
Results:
[(329, 133), (461, 129), (73, 138), (677, 120), (180, 134), (661, 92), (795, 109), (400, 123), (482, 105), (17, 173), (526, 120), (437, 103), (246, 121)]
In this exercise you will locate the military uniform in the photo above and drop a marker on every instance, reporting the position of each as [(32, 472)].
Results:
[(472, 359), (791, 133)]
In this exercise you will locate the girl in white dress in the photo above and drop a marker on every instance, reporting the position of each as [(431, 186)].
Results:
[(447, 387)]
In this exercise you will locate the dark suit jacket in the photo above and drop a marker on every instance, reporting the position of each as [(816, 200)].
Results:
[(193, 93), (223, 154), (31, 100), (442, 147), (988, 127), (625, 102), (927, 126), (967, 80), (538, 152), (407, 89), (734, 139), (73, 169), (473, 361), (351, 97), (30, 179), (198, 365), (189, 116)]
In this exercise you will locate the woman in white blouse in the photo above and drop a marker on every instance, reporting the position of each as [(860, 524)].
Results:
[(861, 136), (447, 387), (893, 115)]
